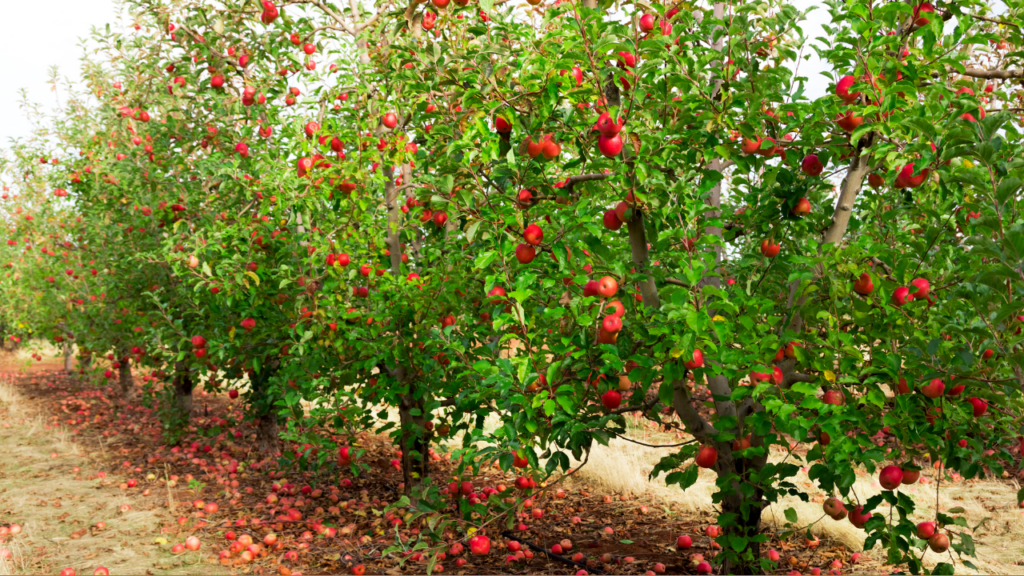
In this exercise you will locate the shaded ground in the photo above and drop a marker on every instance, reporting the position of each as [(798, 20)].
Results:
[(333, 528)]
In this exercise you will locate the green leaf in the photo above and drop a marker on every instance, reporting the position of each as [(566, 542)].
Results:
[(921, 125), (566, 403), (791, 516), (1007, 188), (738, 543), (471, 230)]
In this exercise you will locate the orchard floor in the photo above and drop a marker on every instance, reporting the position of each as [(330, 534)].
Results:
[(43, 437)]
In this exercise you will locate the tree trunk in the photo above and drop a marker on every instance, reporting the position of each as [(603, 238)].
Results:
[(124, 377), (413, 442), (746, 517), (267, 438), (183, 389), (69, 364)]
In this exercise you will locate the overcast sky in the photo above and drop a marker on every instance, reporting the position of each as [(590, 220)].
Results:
[(34, 36), (30, 49)]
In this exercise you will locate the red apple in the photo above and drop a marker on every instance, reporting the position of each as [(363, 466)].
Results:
[(890, 477), (834, 508), (551, 149), (607, 287), (647, 23), (612, 323), (802, 208), (920, 20), (479, 545), (849, 122), (707, 457), (834, 397), (863, 285), (611, 220), (934, 389), (901, 296), (751, 145), (939, 542), (907, 179), (611, 399), (525, 253), (533, 234), (607, 127), (769, 249), (843, 89), (609, 147), (497, 294), (811, 165), (923, 288)]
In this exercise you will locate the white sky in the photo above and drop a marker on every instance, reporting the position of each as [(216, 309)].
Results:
[(30, 49), (34, 36)]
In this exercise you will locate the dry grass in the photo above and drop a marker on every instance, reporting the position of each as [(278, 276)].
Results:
[(625, 467), (42, 494)]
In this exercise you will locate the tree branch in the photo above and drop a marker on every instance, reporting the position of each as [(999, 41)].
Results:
[(994, 74), (859, 168), (695, 423), (326, 10), (993, 20)]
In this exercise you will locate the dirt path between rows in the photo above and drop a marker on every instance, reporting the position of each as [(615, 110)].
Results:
[(49, 487)]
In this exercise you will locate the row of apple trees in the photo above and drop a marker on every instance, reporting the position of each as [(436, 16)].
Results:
[(514, 224)]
